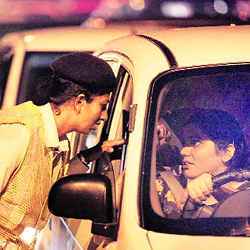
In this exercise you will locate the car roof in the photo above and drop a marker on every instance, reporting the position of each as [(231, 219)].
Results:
[(189, 46), (70, 38), (73, 38)]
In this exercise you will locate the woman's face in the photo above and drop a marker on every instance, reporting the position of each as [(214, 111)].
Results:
[(200, 154), (92, 113)]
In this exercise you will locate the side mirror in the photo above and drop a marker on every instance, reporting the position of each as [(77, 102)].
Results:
[(82, 196)]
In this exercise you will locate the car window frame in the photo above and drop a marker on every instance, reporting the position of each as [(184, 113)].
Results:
[(23, 84), (150, 220), (124, 80)]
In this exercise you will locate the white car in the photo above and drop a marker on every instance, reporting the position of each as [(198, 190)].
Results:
[(166, 79), (25, 55)]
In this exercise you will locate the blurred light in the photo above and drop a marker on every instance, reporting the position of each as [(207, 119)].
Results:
[(97, 22), (137, 4), (91, 139), (112, 4), (221, 7), (243, 10), (28, 38), (28, 235), (81, 6), (108, 9), (209, 9), (177, 9)]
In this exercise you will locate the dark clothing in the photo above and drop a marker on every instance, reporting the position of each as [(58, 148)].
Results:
[(170, 208)]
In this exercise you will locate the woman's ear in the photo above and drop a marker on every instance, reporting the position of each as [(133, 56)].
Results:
[(228, 153), (79, 102), (56, 109)]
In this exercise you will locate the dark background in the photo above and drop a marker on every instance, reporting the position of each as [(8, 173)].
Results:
[(29, 14)]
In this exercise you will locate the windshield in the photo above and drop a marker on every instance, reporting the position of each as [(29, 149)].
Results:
[(200, 127), (5, 63), (35, 69)]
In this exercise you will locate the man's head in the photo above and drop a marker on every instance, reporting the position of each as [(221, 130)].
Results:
[(79, 90), (212, 143)]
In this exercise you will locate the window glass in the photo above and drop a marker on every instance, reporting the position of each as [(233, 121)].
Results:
[(5, 63), (35, 69), (111, 165), (94, 136), (201, 126), (118, 129)]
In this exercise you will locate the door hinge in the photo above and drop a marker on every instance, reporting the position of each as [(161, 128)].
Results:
[(132, 114)]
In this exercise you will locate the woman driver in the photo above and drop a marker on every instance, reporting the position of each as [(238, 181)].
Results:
[(213, 143)]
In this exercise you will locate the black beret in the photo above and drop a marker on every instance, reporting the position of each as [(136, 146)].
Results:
[(90, 72)]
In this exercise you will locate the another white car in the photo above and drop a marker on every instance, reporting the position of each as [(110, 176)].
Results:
[(164, 79), (25, 56)]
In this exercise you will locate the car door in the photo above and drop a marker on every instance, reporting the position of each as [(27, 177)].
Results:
[(82, 234)]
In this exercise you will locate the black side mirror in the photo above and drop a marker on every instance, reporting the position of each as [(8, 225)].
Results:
[(82, 196)]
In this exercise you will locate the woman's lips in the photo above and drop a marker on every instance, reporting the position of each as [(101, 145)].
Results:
[(95, 126), (186, 164)]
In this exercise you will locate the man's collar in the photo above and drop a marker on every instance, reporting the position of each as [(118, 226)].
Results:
[(51, 134)]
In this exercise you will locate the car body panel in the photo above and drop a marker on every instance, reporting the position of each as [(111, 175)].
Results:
[(191, 47), (173, 241), (203, 46), (194, 46), (145, 60)]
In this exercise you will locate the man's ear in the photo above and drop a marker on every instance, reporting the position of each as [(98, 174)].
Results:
[(79, 102), (228, 153)]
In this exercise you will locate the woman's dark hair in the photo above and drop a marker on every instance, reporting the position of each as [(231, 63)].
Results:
[(223, 129), (74, 74)]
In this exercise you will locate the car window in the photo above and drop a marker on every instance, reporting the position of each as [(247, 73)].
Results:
[(5, 63), (35, 69), (112, 165), (201, 126), (94, 136)]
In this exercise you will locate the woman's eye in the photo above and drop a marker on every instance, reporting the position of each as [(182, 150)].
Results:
[(104, 107), (195, 141), (192, 141)]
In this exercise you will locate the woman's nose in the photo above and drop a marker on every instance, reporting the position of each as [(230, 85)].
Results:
[(104, 116), (186, 150)]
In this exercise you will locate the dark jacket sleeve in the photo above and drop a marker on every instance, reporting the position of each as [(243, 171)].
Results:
[(80, 162)]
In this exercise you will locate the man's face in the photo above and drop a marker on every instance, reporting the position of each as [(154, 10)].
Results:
[(92, 113), (200, 154)]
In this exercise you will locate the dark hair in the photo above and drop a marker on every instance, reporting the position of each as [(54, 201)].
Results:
[(73, 74), (223, 129)]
